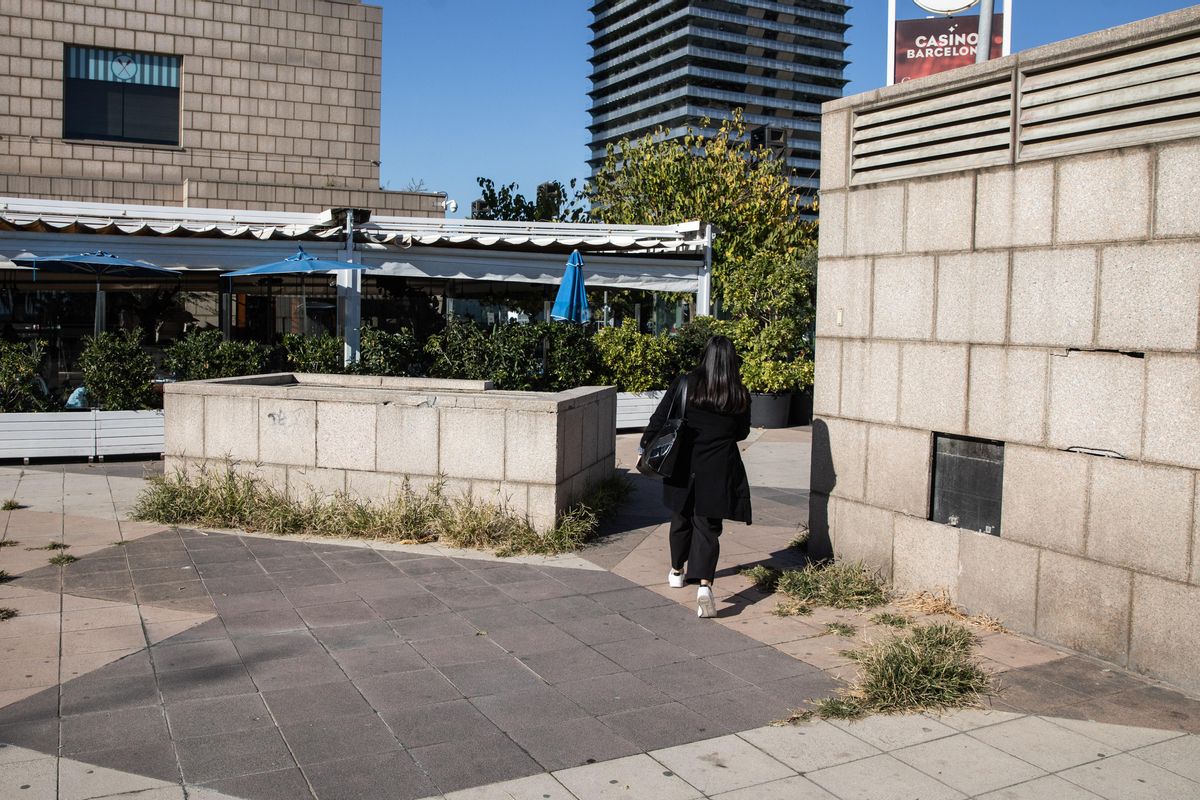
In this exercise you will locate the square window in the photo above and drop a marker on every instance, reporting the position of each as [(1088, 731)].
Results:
[(118, 95), (968, 480)]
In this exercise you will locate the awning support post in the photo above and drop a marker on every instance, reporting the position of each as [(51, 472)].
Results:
[(349, 295), (704, 284)]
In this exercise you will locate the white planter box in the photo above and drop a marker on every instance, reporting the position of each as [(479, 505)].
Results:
[(634, 410), (66, 434)]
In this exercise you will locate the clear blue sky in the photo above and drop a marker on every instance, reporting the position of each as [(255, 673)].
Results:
[(499, 87)]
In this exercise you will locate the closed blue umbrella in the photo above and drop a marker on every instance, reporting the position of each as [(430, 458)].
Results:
[(300, 262), (570, 304)]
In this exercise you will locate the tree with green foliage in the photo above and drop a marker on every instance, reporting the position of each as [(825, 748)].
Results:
[(202, 355), (117, 371), (552, 203), (322, 354)]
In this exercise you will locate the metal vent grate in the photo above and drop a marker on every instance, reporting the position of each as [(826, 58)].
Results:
[(1148, 94), (959, 130)]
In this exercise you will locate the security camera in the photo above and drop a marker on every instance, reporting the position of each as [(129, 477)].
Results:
[(449, 206)]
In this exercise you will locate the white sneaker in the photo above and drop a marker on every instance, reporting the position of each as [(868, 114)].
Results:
[(706, 605), (675, 579)]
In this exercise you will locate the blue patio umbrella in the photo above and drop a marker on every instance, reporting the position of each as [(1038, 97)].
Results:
[(570, 305), (100, 264), (300, 262)]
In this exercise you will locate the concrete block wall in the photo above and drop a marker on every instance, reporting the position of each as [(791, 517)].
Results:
[(534, 453), (280, 105), (1053, 305)]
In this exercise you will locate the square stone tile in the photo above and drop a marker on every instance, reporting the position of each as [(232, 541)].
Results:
[(77, 781), (307, 578), (630, 599), (318, 595), (318, 740), (382, 776), (761, 665), (794, 788), (209, 716), (498, 676), (320, 701), (810, 746), (459, 650), (223, 569), (721, 765), (93, 693), (1180, 755), (239, 584), (195, 684), (289, 563), (967, 764), (227, 755), (376, 660), (739, 709), (535, 787), (345, 613), (1125, 777), (364, 634), (234, 604), (472, 597), (566, 609), (530, 639), (527, 708), (487, 759), (609, 694), (453, 721), (690, 678), (968, 719), (82, 733), (632, 778), (103, 640), (880, 778), (403, 690), (1043, 744), (405, 606), (1050, 787), (259, 647), (286, 784), (168, 657), (664, 725), (494, 618), (607, 628), (892, 731), (273, 620), (532, 591), (572, 663), (640, 654), (573, 743), (290, 673)]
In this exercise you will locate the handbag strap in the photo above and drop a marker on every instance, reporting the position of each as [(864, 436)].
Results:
[(680, 394)]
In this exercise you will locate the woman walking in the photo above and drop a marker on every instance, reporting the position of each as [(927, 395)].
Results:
[(708, 483)]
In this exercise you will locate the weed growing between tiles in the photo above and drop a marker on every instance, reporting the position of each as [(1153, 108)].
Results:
[(940, 603), (763, 577), (226, 498), (4, 576), (840, 629), (10, 505), (51, 546), (62, 559), (838, 584), (10, 543), (7, 613), (891, 620)]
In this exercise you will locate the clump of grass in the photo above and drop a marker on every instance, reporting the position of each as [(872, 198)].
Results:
[(9, 543), (228, 499), (939, 602), (762, 576), (838, 584), (7, 613), (11, 504), (839, 628), (4, 576), (891, 620), (792, 608), (51, 546), (927, 667), (800, 540), (62, 559)]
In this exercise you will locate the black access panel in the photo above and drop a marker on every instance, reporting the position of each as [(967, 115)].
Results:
[(968, 480)]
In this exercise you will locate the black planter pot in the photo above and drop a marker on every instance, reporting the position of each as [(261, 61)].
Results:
[(802, 408), (770, 410)]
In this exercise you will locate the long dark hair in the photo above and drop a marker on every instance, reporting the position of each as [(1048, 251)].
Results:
[(718, 385)]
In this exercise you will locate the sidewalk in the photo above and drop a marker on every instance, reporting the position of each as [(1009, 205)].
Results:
[(170, 663)]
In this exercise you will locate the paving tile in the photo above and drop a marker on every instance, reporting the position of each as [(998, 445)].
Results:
[(497, 676), (289, 563), (639, 654), (495, 618), (364, 572), (760, 665), (535, 638), (1181, 756), (228, 755), (811, 746), (148, 576), (452, 721), (195, 655), (967, 764), (317, 595), (407, 690), (739, 709), (889, 732), (794, 788), (341, 554), (663, 725), (1125, 777), (307, 578), (566, 609), (78, 781), (227, 569), (1083, 674), (38, 625), (153, 760), (269, 647), (41, 735), (573, 743), (722, 764), (631, 778), (629, 599), (378, 659), (880, 778), (233, 604), (1032, 693), (690, 678), (195, 684), (471, 597), (286, 784), (405, 606), (535, 787), (968, 719), (798, 692), (459, 650), (95, 692), (214, 715), (487, 759), (606, 628), (318, 740), (533, 591), (608, 694), (295, 672), (317, 701), (364, 634), (426, 566), (527, 708), (28, 673), (130, 726), (1051, 787), (572, 663), (34, 780), (346, 613), (239, 584), (1043, 744), (175, 590), (122, 637), (273, 620)]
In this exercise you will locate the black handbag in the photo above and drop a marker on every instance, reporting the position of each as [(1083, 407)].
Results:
[(658, 458)]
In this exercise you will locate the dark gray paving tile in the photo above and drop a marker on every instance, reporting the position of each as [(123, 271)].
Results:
[(490, 759), (213, 715), (272, 620), (639, 654), (294, 672), (429, 565), (151, 576), (606, 628), (459, 650), (589, 581), (319, 740), (376, 660), (396, 556), (573, 743), (491, 677), (96, 563), (453, 721), (345, 613), (608, 694), (229, 569), (494, 618), (75, 584), (220, 555), (512, 573), (527, 708), (40, 735), (179, 558), (689, 678), (365, 634), (276, 548), (566, 609), (402, 690), (204, 632), (318, 595), (315, 701), (572, 663), (432, 626), (286, 784), (259, 648), (193, 684), (239, 584), (194, 655), (284, 562), (532, 591), (351, 555), (475, 597), (530, 639), (175, 590), (462, 579), (131, 727), (153, 760), (95, 692), (665, 725), (739, 709), (388, 588), (413, 605), (228, 755), (35, 708), (798, 691), (365, 572), (135, 664), (234, 604), (383, 776), (761, 665), (308, 577)]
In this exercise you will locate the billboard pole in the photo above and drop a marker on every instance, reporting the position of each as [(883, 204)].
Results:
[(983, 44), (891, 43)]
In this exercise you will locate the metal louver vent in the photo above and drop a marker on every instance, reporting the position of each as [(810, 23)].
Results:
[(1149, 94), (960, 130)]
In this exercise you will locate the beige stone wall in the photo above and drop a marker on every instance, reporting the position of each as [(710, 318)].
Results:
[(1050, 302), (534, 453), (280, 105)]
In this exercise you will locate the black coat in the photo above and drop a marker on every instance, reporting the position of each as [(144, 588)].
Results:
[(709, 461)]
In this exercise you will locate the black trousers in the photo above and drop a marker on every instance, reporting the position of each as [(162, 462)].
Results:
[(695, 541)]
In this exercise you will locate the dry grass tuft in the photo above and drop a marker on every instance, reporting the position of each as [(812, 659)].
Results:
[(939, 602)]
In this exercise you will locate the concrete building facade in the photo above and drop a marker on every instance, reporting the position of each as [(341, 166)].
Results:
[(246, 104), (671, 63), (1008, 341)]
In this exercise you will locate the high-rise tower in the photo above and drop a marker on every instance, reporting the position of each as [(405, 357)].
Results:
[(671, 63)]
